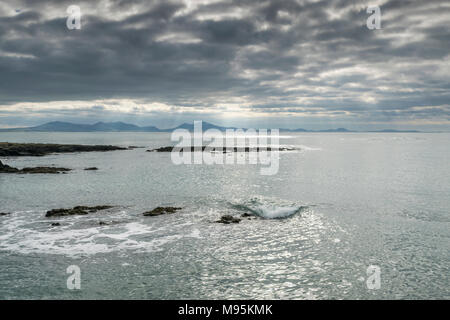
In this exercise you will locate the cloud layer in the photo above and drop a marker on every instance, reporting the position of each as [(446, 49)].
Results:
[(276, 63)]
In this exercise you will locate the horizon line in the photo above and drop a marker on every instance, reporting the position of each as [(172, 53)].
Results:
[(335, 130)]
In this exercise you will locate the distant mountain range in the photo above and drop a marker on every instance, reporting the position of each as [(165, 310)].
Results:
[(58, 126)]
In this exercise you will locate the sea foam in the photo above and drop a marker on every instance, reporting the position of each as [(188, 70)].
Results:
[(270, 208)]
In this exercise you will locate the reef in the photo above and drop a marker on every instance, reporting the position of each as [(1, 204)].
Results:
[(161, 210), (227, 219), (8, 149), (7, 169), (79, 210)]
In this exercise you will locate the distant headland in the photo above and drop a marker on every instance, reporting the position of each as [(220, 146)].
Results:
[(59, 126)]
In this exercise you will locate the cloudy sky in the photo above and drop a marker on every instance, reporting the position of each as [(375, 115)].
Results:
[(267, 64)]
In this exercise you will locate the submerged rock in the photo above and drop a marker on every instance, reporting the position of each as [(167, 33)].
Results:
[(8, 149), (161, 210), (108, 223), (7, 169), (56, 224), (79, 210), (4, 213), (227, 219)]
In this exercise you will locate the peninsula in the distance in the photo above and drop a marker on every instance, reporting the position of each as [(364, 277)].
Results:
[(59, 126)]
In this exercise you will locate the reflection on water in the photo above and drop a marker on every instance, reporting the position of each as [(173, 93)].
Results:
[(340, 204)]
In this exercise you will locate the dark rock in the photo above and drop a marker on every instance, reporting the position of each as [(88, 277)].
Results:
[(246, 215), (56, 224), (93, 209), (91, 169), (161, 210), (79, 210), (40, 149), (227, 219), (108, 223), (44, 170), (162, 149), (4, 213), (7, 169)]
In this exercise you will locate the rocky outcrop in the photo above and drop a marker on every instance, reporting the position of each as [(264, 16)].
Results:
[(249, 216), (8, 149), (79, 210), (7, 169), (44, 170), (227, 219), (224, 149), (161, 210)]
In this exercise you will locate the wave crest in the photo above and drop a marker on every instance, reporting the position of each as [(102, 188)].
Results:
[(271, 209)]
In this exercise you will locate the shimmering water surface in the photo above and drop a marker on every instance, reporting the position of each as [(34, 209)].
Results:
[(341, 203)]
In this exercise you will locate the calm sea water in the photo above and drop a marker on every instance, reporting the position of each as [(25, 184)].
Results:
[(340, 204)]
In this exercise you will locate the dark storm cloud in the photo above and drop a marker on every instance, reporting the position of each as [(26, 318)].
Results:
[(271, 56)]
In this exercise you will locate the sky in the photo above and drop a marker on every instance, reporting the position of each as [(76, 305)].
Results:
[(251, 63)]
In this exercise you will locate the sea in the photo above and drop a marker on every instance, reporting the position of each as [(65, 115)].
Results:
[(347, 216)]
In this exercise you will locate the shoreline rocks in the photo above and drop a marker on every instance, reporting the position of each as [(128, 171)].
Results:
[(79, 210), (8, 149), (52, 170), (161, 210), (227, 219), (7, 169)]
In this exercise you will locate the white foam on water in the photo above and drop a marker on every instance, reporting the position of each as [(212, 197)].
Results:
[(26, 235), (271, 208), (274, 212)]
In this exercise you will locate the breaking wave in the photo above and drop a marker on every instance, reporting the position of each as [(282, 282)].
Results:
[(271, 208)]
